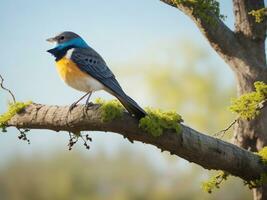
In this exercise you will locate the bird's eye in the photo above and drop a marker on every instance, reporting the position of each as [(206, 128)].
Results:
[(62, 38)]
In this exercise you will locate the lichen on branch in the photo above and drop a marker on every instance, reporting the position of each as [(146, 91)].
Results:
[(203, 8), (110, 109), (157, 121), (248, 105), (259, 14), (13, 109), (154, 123)]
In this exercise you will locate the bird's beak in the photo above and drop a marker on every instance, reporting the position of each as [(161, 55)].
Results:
[(51, 39)]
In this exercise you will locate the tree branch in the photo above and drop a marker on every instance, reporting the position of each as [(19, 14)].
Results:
[(245, 23), (6, 89), (210, 153), (242, 54)]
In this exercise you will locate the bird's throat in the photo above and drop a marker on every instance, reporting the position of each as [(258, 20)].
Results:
[(59, 53)]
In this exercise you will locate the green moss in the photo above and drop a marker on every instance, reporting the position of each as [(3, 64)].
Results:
[(13, 109), (157, 121), (110, 109), (203, 8), (154, 123), (259, 14), (215, 181), (247, 105)]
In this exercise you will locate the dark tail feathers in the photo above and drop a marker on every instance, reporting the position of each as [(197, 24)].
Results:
[(132, 106)]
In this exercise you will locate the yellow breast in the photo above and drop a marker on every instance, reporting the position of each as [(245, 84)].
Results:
[(68, 70), (74, 77)]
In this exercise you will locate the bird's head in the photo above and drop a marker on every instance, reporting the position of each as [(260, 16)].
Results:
[(65, 41)]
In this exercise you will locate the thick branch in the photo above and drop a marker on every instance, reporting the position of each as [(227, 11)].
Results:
[(245, 22), (211, 153), (242, 54)]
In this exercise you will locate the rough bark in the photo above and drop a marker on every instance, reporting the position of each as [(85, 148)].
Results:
[(244, 51), (209, 152)]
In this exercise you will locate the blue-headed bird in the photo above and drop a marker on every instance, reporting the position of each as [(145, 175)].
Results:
[(83, 69)]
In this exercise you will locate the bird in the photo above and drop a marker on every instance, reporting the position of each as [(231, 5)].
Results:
[(83, 69)]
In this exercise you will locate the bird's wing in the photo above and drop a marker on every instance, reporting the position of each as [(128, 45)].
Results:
[(93, 64)]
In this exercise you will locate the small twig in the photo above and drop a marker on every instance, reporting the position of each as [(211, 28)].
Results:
[(22, 134), (6, 89), (73, 139), (222, 132), (86, 139)]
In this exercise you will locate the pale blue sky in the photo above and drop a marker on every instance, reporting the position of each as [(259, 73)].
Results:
[(119, 30)]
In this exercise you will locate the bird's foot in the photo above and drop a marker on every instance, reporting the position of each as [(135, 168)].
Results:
[(72, 106), (86, 107)]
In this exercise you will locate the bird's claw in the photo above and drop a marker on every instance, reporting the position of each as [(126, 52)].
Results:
[(72, 106), (86, 106)]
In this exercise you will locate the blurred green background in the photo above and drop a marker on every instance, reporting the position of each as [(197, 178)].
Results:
[(161, 60)]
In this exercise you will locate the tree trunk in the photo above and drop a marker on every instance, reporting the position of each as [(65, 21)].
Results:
[(252, 135)]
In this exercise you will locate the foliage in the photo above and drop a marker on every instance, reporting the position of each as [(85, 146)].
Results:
[(157, 121), (110, 110), (203, 8), (247, 105), (259, 14), (13, 109), (215, 181)]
